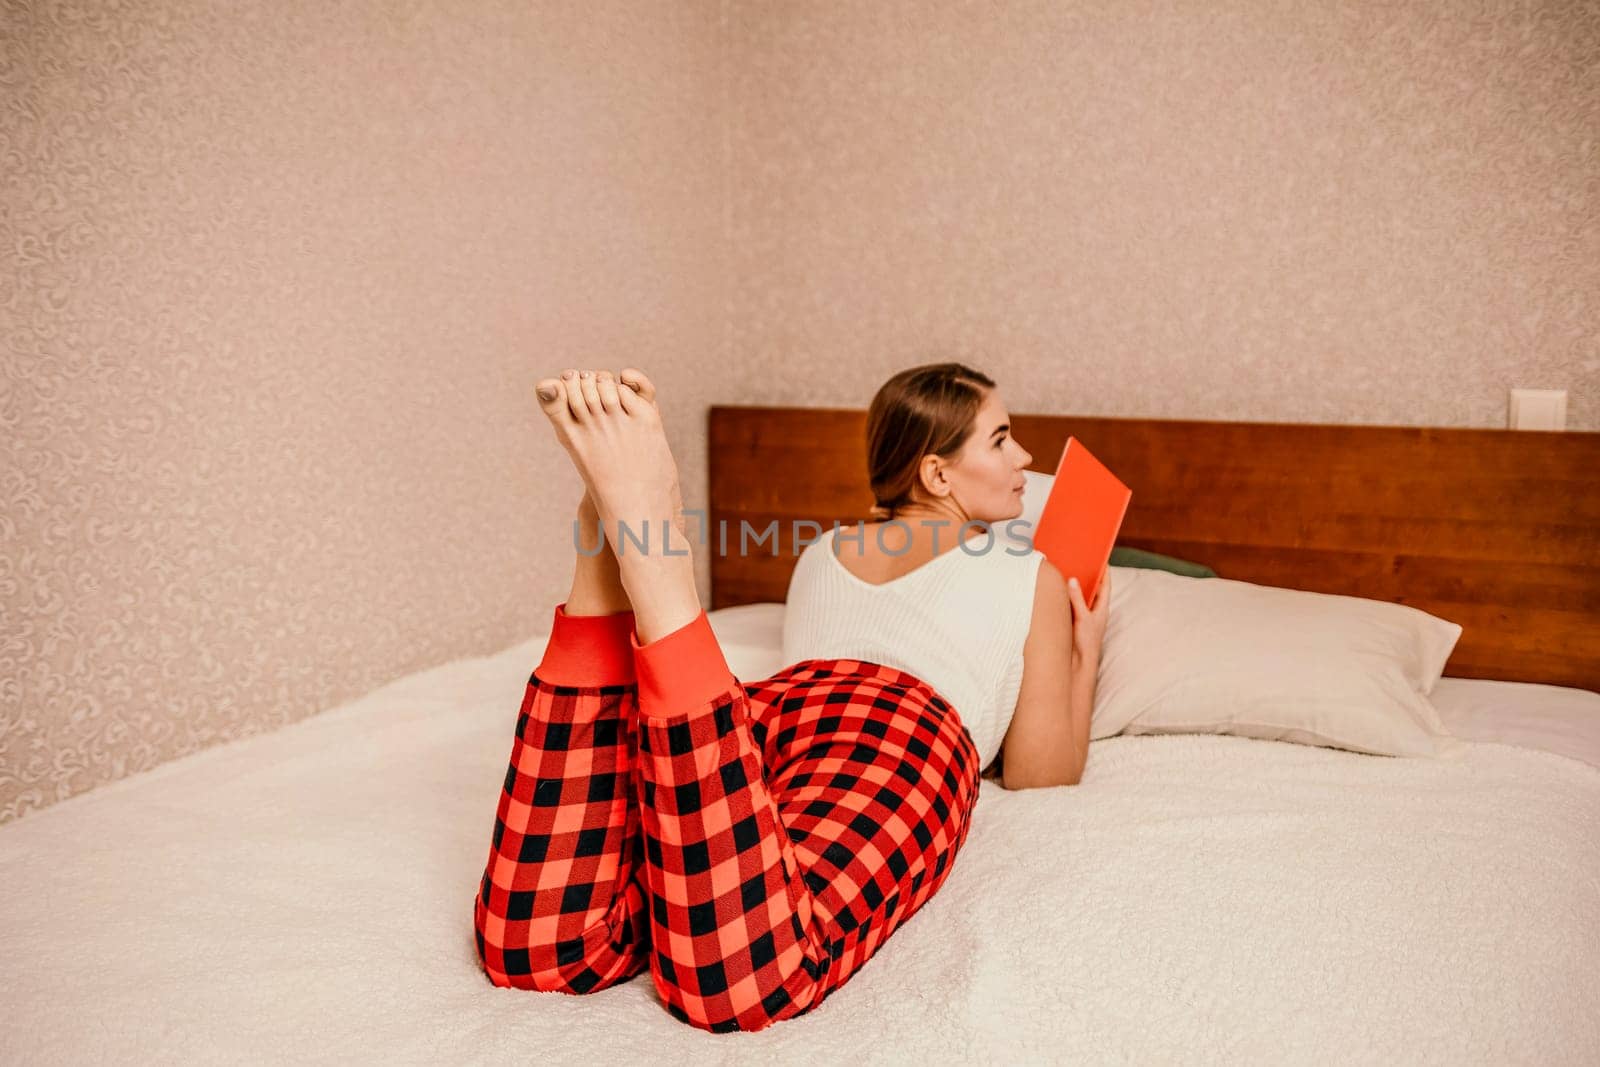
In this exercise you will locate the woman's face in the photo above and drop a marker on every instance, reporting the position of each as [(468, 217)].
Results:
[(986, 476)]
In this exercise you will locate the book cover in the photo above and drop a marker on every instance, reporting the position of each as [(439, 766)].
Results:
[(1081, 518)]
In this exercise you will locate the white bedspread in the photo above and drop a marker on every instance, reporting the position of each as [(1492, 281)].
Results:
[(306, 896)]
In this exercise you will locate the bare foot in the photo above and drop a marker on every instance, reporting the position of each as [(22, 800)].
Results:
[(616, 441), (642, 385)]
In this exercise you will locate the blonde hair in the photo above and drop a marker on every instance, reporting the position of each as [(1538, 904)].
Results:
[(925, 410)]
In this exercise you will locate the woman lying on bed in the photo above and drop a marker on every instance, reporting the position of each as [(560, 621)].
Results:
[(753, 843)]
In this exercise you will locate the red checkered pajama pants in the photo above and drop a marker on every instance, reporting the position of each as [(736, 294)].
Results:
[(751, 844)]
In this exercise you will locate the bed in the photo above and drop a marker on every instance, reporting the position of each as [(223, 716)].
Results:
[(305, 895)]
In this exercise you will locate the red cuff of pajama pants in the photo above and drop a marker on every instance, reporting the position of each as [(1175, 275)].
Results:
[(588, 650), (682, 671)]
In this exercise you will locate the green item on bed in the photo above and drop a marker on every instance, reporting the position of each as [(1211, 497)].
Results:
[(1138, 557)]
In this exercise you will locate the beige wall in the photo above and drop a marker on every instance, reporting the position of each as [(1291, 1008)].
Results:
[(1306, 212), (275, 281)]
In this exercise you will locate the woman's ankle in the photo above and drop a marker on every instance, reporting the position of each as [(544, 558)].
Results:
[(597, 586), (663, 594), (581, 604), (654, 624)]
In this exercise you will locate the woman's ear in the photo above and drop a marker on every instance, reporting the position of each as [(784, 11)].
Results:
[(930, 472)]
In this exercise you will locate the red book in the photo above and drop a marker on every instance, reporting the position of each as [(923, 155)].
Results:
[(1081, 516)]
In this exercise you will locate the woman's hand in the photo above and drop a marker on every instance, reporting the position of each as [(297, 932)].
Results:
[(1089, 627)]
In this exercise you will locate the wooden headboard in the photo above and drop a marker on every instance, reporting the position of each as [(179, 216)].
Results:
[(1497, 530)]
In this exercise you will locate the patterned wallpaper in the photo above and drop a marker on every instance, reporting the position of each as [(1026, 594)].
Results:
[(1325, 211), (275, 281)]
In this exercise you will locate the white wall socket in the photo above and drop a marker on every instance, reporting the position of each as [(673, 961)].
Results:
[(1537, 409)]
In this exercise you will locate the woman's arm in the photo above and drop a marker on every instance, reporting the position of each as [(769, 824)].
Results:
[(1085, 672), (1045, 744), (1048, 744)]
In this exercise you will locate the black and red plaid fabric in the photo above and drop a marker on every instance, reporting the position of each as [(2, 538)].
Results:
[(751, 844)]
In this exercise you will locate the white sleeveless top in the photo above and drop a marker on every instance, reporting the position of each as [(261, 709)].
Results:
[(958, 622)]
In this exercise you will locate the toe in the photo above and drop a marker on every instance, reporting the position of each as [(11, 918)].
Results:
[(552, 397), (591, 392), (643, 386), (605, 383), (575, 402)]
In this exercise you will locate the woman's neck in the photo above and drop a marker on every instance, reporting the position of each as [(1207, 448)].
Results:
[(930, 530), (914, 514)]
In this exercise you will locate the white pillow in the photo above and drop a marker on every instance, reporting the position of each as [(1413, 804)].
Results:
[(1214, 655), (751, 636)]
